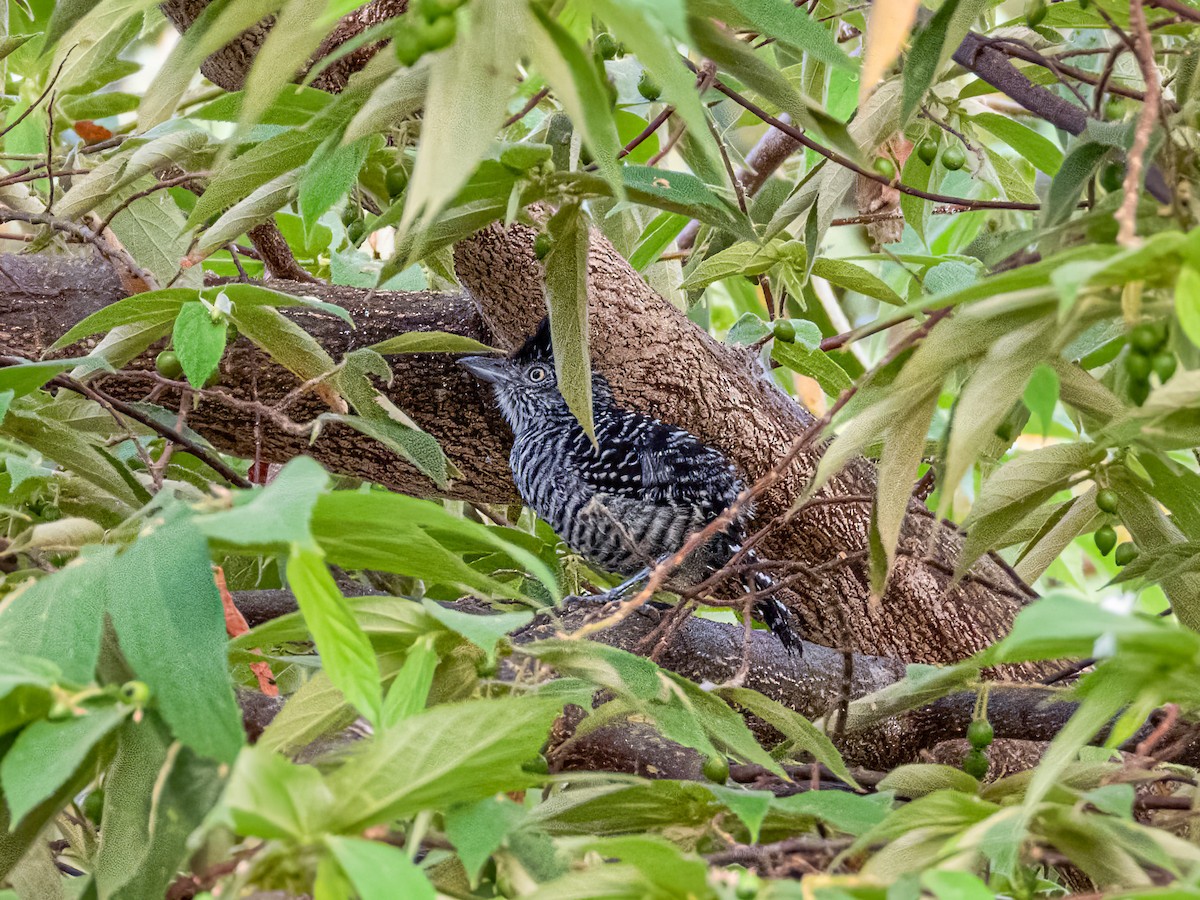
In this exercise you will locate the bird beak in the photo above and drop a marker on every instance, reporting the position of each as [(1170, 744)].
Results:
[(485, 368)]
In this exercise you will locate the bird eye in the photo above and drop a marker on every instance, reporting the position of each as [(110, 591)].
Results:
[(537, 373)]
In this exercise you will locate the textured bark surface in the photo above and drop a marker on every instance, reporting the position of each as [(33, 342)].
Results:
[(656, 360), (41, 297), (229, 65), (659, 362)]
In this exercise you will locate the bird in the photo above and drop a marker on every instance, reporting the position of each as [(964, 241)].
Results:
[(633, 497)]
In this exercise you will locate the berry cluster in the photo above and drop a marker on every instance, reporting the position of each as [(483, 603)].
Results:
[(1105, 537), (953, 157), (1148, 354), (432, 28)]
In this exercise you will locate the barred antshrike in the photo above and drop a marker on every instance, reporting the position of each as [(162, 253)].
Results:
[(635, 496)]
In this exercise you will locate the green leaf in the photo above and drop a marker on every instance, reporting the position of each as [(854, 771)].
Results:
[(199, 340), (245, 214), (746, 258), (786, 23), (264, 164), (275, 516), (921, 65), (417, 538), (577, 85), (469, 86), (903, 449), (948, 885), (662, 230), (1069, 182), (1019, 487), (482, 631), (59, 617), (177, 648), (327, 178), (450, 754), (316, 710), (799, 731), (1039, 150), (1187, 302), (683, 193), (815, 364), (271, 797), (297, 105), (27, 377), (213, 29), (295, 35), (156, 794), (915, 209), (47, 753), (478, 829), (739, 60), (149, 308), (346, 654), (409, 690), (854, 278), (851, 813), (1041, 395), (283, 340), (431, 342), (654, 42), (567, 299), (379, 871)]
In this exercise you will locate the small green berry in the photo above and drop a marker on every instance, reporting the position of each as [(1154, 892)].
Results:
[(542, 244), (648, 87), (1139, 391), (1146, 338), (716, 769), (1112, 177), (1035, 13), (355, 232), (980, 733), (954, 157), (168, 366), (885, 167), (1138, 365), (927, 151), (1164, 364), (93, 805), (135, 693), (785, 331), (605, 45), (1106, 500), (1105, 538), (537, 766), (406, 44), (975, 764), (1084, 4), (1126, 553), (396, 180), (437, 34), (214, 379)]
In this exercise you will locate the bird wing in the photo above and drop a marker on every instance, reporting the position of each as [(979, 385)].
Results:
[(644, 459)]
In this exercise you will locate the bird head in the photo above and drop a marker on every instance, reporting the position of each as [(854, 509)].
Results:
[(524, 382)]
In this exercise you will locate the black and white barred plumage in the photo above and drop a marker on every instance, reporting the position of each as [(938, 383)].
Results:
[(634, 497)]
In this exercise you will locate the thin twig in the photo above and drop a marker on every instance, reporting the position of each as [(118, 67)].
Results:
[(837, 158), (527, 108), (213, 461), (1143, 49), (112, 254)]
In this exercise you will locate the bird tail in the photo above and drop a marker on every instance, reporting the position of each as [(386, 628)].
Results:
[(772, 612)]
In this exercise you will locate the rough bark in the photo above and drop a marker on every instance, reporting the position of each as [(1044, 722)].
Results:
[(1024, 717), (656, 360), (659, 362)]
